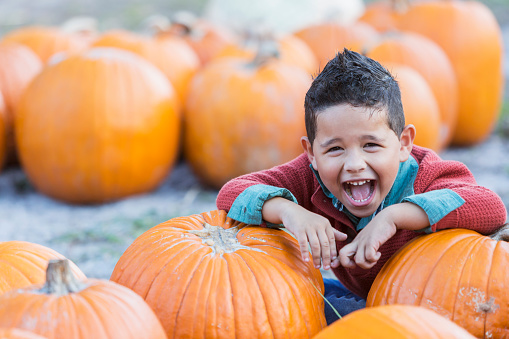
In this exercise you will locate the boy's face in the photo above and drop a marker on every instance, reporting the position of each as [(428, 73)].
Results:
[(357, 155)]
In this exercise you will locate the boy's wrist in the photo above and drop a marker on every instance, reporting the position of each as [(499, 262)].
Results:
[(407, 216)]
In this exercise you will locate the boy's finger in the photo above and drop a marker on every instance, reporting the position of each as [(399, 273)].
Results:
[(370, 254), (332, 244), (303, 245), (339, 236), (346, 255), (325, 248), (314, 243)]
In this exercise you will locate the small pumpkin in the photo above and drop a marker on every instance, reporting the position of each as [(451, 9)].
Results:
[(208, 276), (394, 322), (458, 273), (24, 263), (66, 307), (16, 333)]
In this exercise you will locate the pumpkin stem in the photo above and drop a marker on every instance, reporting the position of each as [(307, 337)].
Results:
[(400, 6), (60, 279), (502, 234), (268, 48)]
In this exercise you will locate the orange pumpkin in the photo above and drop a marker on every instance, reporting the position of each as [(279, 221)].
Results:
[(457, 273), (426, 57), (470, 36), (420, 106), (243, 116), (24, 263), (394, 322), (383, 15), (15, 333), (46, 41), (326, 39), (98, 126), (172, 55), (65, 307), (208, 276)]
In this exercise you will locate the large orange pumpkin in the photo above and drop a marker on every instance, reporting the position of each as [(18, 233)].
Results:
[(243, 116), (470, 36), (208, 276), (46, 41), (420, 106), (24, 263), (457, 273), (327, 39), (15, 333), (394, 322), (427, 58), (66, 307), (98, 126), (172, 55)]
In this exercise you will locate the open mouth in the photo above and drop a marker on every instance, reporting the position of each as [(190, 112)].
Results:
[(360, 193)]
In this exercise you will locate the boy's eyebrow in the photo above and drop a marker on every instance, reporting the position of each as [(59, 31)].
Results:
[(372, 138), (363, 137)]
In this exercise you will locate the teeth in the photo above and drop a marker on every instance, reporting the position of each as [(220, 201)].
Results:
[(356, 183)]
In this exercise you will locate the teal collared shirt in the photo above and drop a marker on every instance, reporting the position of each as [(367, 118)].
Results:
[(437, 204)]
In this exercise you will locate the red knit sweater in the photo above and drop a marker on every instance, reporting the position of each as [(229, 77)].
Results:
[(483, 211)]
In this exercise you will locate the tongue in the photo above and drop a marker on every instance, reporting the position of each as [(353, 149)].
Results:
[(360, 192)]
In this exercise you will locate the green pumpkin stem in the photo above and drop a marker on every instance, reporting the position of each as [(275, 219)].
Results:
[(59, 278)]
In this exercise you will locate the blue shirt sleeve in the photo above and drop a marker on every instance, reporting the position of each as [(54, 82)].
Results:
[(247, 207), (437, 204)]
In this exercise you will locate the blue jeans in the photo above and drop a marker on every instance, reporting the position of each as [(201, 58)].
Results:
[(341, 299)]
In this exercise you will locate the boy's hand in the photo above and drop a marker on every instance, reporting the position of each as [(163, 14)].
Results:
[(307, 227)]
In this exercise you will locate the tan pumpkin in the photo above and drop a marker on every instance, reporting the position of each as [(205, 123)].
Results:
[(66, 307), (457, 273), (208, 276), (15, 333), (98, 126), (24, 263), (326, 39), (420, 106), (394, 322), (172, 55), (427, 58), (243, 116)]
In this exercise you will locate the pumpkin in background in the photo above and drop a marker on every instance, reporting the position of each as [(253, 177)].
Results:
[(420, 106), (291, 50), (46, 41), (172, 55), (470, 36), (208, 276), (427, 58), (24, 263), (394, 322), (15, 333), (382, 15), (243, 116), (18, 66), (457, 273), (98, 126), (3, 132), (325, 40), (67, 307)]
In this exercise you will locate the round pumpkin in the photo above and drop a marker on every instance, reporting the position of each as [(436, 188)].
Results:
[(394, 322), (208, 276), (457, 273), (420, 106), (172, 55), (427, 58), (66, 307), (15, 333), (24, 263), (327, 39), (98, 126), (382, 15), (469, 34), (46, 41)]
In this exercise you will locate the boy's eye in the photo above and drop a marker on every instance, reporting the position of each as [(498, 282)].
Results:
[(334, 149), (371, 145)]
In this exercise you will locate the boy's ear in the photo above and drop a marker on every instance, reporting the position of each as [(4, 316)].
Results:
[(306, 145), (406, 142)]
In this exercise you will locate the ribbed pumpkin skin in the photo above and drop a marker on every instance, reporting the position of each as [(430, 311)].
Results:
[(46, 41), (456, 273), (24, 263), (426, 57), (15, 333), (419, 104), (172, 55), (327, 39), (242, 118), (394, 322), (261, 289), (102, 310), (469, 34), (98, 126)]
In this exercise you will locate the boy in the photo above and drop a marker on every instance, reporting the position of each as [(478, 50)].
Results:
[(360, 186)]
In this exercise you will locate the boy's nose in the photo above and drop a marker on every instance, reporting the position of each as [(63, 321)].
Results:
[(354, 162)]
